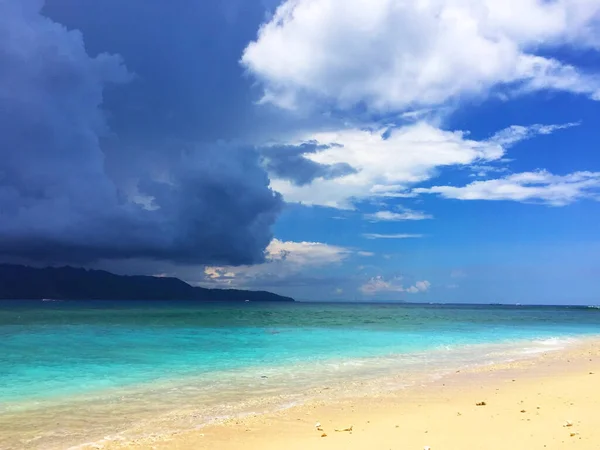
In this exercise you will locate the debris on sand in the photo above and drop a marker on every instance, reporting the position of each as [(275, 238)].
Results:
[(568, 423), (480, 404), (344, 429), (324, 435)]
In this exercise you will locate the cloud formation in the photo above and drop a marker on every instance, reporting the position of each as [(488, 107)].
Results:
[(395, 55), (517, 133), (391, 216), (285, 261), (540, 186), (380, 284), (388, 162), (289, 162), (59, 201)]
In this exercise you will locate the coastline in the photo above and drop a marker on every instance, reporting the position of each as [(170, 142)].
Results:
[(529, 401)]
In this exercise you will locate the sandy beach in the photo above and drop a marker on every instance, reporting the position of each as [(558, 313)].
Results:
[(551, 401)]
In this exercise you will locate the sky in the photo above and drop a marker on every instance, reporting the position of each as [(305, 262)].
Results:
[(340, 150)]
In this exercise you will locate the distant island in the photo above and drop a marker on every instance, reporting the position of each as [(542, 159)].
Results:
[(69, 283)]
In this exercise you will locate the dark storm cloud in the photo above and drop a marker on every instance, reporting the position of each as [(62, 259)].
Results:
[(185, 54), (71, 190), (189, 82), (288, 162)]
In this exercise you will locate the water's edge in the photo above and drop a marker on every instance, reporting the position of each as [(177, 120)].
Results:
[(88, 420), (87, 371)]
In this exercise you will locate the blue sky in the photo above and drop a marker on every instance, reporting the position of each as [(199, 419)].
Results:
[(442, 151)]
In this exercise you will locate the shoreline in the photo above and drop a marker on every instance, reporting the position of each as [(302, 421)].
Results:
[(438, 413), (366, 369), (194, 424)]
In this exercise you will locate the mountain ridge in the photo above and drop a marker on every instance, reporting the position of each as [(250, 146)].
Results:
[(18, 282)]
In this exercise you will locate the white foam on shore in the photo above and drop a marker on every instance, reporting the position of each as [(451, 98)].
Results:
[(550, 344), (173, 406)]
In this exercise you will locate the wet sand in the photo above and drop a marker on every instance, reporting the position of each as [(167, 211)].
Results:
[(551, 401)]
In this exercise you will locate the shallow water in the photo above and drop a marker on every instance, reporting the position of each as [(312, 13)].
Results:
[(74, 372)]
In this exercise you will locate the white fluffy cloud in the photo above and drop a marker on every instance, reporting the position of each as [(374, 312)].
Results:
[(483, 170), (305, 253), (284, 259), (540, 186), (391, 216), (388, 163), (379, 284), (399, 54), (517, 133), (420, 286)]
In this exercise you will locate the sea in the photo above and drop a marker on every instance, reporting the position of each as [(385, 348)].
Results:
[(77, 372)]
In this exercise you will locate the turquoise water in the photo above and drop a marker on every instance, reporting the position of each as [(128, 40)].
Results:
[(57, 348), (184, 354)]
